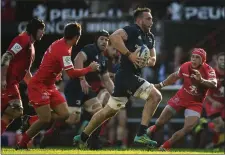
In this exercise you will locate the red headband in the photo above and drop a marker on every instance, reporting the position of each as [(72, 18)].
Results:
[(201, 53)]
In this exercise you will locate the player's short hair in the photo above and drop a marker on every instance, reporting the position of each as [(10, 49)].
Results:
[(71, 30), (139, 12), (220, 54), (33, 25)]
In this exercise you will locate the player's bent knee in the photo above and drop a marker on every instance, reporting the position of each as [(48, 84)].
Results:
[(74, 115), (116, 103), (73, 119), (65, 116), (155, 95)]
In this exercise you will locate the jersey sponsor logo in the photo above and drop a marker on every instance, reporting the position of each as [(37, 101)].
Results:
[(16, 48), (193, 89), (103, 63), (212, 74), (67, 61), (129, 92), (185, 74), (78, 102), (45, 95), (139, 37)]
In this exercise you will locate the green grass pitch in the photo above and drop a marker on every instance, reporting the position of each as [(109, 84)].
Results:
[(104, 151)]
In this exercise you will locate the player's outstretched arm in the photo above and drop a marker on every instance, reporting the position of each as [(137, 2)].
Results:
[(79, 63), (171, 79), (6, 58), (75, 73), (79, 60)]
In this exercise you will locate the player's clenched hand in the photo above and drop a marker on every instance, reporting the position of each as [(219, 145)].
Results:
[(59, 77), (3, 84), (197, 75), (135, 58), (95, 66), (85, 86)]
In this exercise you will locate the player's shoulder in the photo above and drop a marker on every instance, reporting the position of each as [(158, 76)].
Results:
[(186, 64), (23, 38), (131, 29), (207, 67), (59, 44), (88, 47)]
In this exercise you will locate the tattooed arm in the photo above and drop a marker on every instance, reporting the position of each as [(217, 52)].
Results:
[(6, 58)]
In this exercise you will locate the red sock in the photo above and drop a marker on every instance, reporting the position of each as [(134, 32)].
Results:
[(167, 145), (3, 126), (152, 129), (49, 132), (58, 124), (55, 126), (102, 132), (125, 141), (33, 119), (25, 140), (216, 136)]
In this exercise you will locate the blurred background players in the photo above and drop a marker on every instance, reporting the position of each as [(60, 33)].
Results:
[(15, 67), (47, 101), (214, 103), (198, 78)]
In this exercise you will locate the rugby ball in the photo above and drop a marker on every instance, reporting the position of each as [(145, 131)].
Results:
[(144, 53)]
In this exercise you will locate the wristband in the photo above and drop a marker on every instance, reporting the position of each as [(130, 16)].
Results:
[(127, 54), (81, 78), (202, 80), (161, 84)]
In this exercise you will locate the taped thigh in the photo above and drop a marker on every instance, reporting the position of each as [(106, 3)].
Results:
[(144, 90), (117, 103), (102, 96)]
